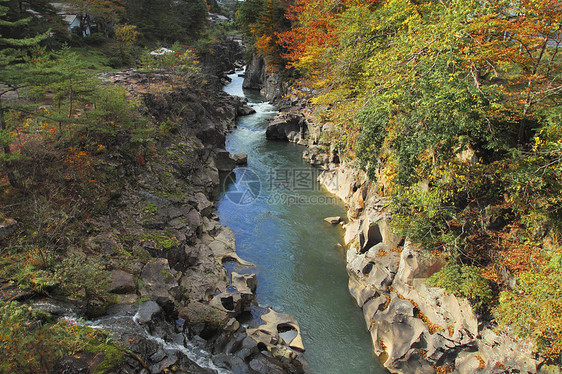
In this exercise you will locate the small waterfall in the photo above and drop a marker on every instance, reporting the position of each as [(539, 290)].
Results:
[(171, 341)]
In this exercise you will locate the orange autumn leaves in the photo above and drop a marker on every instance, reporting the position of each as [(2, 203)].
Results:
[(314, 29), (522, 42), (500, 32)]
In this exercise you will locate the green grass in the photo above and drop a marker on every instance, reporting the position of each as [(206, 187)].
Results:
[(95, 58)]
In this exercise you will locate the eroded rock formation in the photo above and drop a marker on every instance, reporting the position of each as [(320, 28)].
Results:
[(414, 328)]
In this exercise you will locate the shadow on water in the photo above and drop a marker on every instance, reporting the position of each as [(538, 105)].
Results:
[(276, 209)]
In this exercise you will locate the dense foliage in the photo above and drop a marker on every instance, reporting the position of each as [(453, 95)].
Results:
[(168, 20), (31, 343), (65, 135), (262, 21), (453, 107)]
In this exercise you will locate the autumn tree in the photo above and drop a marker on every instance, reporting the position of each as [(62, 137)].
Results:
[(81, 108), (126, 36), (518, 45), (263, 20), (247, 13)]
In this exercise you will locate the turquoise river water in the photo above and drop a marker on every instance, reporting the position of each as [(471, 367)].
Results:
[(276, 209)]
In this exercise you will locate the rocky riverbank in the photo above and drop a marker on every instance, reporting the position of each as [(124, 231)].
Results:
[(180, 270), (414, 327), (165, 249)]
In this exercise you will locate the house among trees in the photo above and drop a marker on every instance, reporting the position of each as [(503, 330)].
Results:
[(83, 24)]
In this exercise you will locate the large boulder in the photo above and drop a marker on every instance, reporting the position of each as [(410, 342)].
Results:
[(254, 77), (287, 126), (224, 161), (148, 311), (202, 204), (224, 247), (278, 329), (245, 110), (210, 135), (240, 158), (414, 327), (244, 283), (159, 283), (333, 220), (122, 282)]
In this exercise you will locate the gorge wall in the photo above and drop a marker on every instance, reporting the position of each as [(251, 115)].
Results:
[(268, 81), (414, 328)]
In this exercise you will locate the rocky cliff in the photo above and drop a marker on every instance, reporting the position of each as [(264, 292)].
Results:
[(414, 328), (268, 80)]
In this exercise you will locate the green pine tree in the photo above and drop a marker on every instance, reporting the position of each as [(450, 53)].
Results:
[(11, 53)]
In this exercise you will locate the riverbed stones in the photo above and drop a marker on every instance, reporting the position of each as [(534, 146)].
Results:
[(245, 110), (210, 135), (223, 160), (224, 247), (202, 204), (148, 311), (201, 315), (232, 302), (286, 126)]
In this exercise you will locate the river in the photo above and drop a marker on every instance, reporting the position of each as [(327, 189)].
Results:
[(276, 209)]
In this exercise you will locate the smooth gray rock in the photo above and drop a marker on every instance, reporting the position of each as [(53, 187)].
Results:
[(122, 282), (333, 220), (147, 312), (159, 282), (223, 160), (240, 158)]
